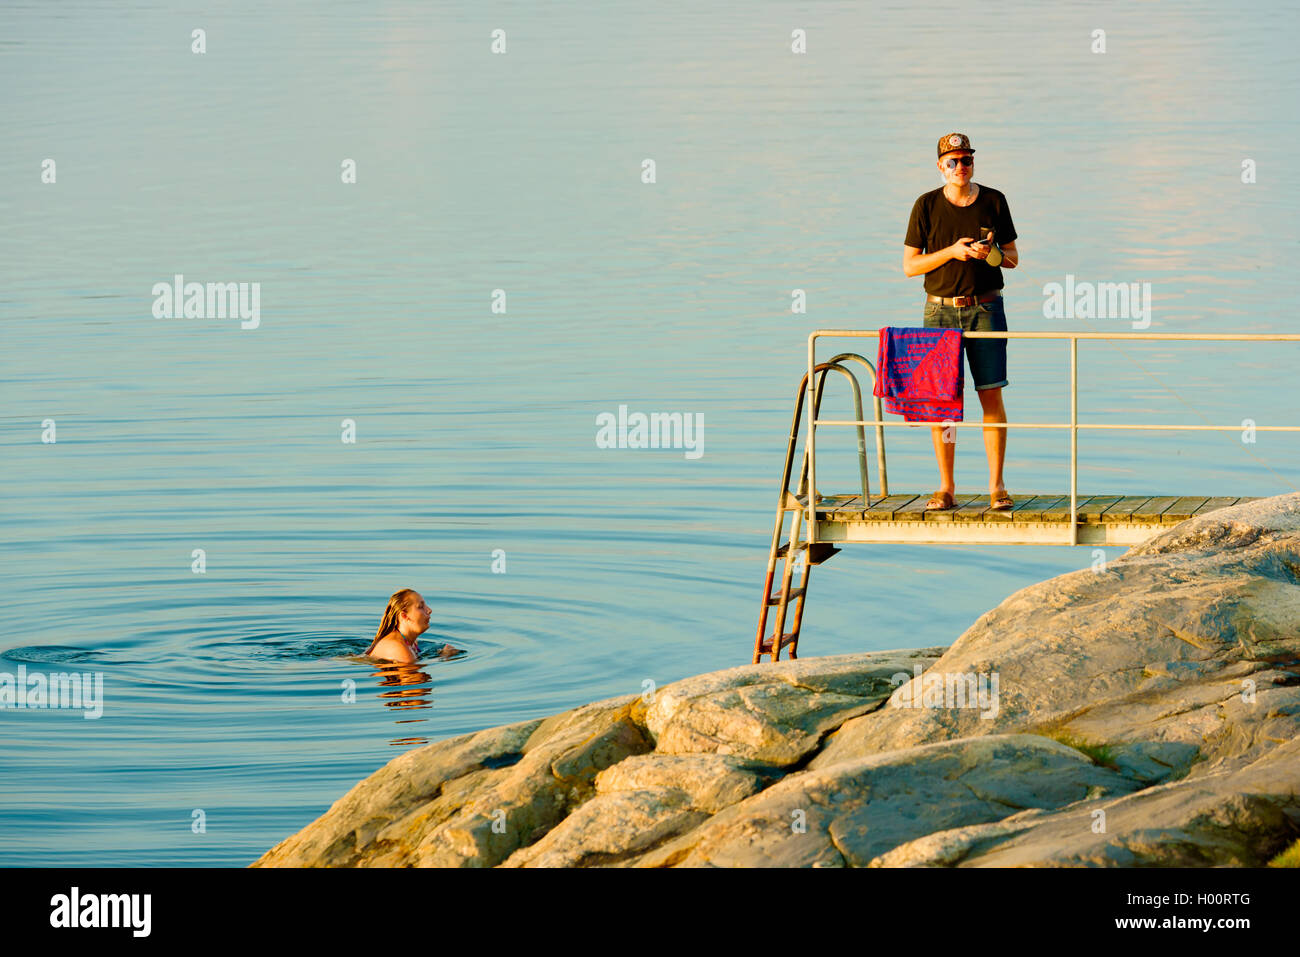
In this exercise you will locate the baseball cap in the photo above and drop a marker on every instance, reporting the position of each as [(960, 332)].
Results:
[(954, 141)]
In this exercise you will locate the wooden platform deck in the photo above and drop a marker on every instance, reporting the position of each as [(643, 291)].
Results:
[(1036, 519)]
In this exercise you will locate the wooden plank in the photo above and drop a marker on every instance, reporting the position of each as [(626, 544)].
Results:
[(1215, 503), (1150, 512), (1030, 508), (840, 507), (973, 511), (1010, 514), (1122, 511), (913, 511), (948, 515), (1058, 511), (1090, 509), (882, 509), (844, 510), (1182, 509), (829, 503), (825, 503), (793, 501)]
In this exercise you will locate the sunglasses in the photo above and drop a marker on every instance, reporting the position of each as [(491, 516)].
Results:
[(952, 161)]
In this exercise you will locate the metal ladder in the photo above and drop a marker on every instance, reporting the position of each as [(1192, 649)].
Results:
[(796, 551)]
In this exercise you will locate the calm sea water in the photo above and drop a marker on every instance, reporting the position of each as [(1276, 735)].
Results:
[(226, 692)]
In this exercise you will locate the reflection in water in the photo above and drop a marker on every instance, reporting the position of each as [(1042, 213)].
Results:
[(409, 687)]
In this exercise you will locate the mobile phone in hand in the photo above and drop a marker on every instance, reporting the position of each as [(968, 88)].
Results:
[(994, 257)]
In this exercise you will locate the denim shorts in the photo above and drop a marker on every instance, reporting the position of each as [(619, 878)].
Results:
[(987, 358)]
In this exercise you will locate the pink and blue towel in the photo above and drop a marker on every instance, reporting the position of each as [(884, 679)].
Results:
[(919, 373)]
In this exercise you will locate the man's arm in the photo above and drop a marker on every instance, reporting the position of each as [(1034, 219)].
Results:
[(1010, 255), (915, 262)]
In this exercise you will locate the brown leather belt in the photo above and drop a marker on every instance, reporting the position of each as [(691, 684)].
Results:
[(963, 301)]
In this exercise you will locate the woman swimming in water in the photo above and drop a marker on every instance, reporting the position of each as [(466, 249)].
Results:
[(405, 619)]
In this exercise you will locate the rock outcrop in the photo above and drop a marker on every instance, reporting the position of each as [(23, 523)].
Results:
[(1184, 650), (1142, 713)]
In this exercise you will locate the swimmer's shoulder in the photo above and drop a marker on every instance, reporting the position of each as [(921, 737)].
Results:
[(391, 649)]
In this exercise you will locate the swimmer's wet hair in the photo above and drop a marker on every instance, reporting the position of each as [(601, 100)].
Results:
[(400, 602)]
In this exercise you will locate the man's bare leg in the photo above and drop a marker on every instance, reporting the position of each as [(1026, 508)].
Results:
[(995, 440), (944, 452)]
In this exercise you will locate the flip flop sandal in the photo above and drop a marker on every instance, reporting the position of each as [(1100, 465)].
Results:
[(1002, 503), (942, 497)]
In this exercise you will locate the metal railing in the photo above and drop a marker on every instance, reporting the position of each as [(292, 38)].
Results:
[(1074, 425)]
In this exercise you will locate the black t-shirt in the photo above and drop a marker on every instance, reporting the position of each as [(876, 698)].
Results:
[(936, 223)]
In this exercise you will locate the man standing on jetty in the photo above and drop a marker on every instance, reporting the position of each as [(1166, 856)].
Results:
[(963, 284)]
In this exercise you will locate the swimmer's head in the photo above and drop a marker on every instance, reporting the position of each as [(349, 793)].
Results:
[(414, 620), (406, 612)]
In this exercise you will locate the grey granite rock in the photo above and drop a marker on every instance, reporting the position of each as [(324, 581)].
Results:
[(852, 812), (1239, 815), (775, 712), (1161, 652)]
